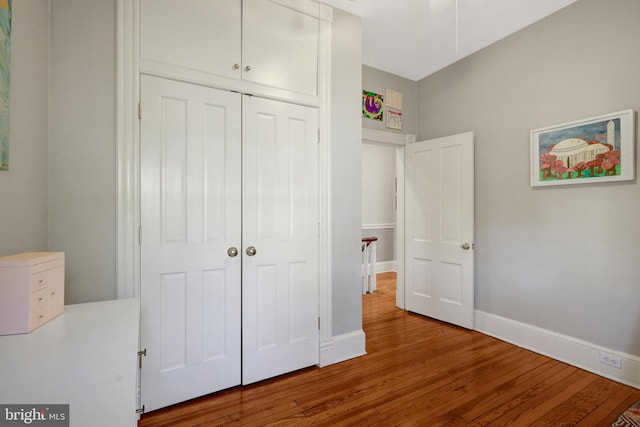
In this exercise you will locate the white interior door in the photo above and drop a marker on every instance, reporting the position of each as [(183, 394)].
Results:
[(439, 229), (190, 217), (280, 222)]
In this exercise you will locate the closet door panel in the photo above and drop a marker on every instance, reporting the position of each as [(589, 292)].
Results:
[(280, 220), (194, 35), (190, 216), (280, 47)]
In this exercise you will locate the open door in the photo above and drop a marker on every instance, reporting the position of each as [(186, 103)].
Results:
[(439, 229)]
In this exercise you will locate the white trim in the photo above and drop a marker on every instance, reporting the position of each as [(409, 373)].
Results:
[(400, 226), (308, 7), (567, 349), (324, 93), (128, 189), (386, 266), (342, 347), (378, 226), (173, 72), (386, 137), (326, 13)]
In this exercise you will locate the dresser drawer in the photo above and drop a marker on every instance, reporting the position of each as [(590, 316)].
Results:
[(38, 317), (38, 281), (38, 299)]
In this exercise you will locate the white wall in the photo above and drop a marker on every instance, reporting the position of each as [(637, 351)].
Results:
[(378, 196), (82, 201), (565, 259), (23, 189)]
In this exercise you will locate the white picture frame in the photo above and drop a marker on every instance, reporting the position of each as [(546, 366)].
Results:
[(597, 149)]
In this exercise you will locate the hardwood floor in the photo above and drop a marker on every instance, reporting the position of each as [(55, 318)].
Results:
[(418, 372)]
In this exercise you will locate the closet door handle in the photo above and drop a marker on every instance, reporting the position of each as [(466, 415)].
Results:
[(232, 252), (251, 251)]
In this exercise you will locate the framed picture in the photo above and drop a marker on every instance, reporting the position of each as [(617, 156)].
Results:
[(394, 119), (599, 149), (372, 105)]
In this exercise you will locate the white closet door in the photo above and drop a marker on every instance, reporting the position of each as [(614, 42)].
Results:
[(190, 216), (280, 220)]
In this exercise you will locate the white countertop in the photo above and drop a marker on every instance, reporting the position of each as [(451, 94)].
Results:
[(86, 357)]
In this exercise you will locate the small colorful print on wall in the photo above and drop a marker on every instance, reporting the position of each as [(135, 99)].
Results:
[(591, 150), (5, 61), (372, 105)]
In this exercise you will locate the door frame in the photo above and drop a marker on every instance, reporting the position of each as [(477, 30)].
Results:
[(399, 141)]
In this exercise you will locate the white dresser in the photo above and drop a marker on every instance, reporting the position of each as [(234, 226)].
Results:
[(86, 358), (31, 290)]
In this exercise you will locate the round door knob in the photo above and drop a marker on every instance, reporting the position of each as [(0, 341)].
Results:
[(251, 251), (232, 252), (247, 68), (466, 246), (236, 66)]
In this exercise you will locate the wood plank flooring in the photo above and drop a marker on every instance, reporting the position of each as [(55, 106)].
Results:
[(418, 372)]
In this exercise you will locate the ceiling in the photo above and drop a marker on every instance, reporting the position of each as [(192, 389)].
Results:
[(415, 38)]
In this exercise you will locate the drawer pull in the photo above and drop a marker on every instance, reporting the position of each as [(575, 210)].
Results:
[(40, 299), (41, 316)]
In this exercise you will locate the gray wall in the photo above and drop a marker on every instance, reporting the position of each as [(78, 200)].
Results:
[(23, 189), (379, 81), (346, 173), (565, 258), (82, 180)]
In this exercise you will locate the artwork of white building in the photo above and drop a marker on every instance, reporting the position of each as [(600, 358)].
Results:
[(572, 151)]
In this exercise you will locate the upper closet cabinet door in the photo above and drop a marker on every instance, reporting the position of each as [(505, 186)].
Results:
[(280, 47), (196, 35)]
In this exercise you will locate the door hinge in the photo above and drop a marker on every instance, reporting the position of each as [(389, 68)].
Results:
[(318, 322), (139, 110), (140, 235), (318, 136), (140, 410), (140, 354)]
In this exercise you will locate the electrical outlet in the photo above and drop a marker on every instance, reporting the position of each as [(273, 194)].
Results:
[(611, 360)]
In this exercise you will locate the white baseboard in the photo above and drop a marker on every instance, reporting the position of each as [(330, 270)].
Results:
[(567, 349), (386, 266), (342, 347)]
